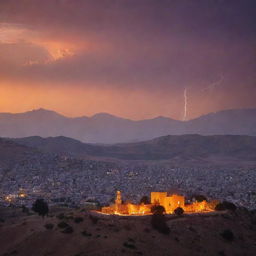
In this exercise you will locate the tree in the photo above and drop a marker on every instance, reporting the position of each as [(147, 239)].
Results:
[(40, 207), (158, 220), (200, 198), (144, 200), (179, 211), (157, 209), (225, 205)]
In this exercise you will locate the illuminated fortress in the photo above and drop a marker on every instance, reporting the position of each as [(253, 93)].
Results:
[(169, 202)]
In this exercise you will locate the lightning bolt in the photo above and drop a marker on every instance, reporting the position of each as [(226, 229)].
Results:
[(185, 104), (213, 85)]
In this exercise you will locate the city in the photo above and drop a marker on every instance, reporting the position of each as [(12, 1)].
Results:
[(73, 182)]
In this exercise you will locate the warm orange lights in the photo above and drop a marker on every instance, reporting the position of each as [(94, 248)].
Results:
[(170, 203)]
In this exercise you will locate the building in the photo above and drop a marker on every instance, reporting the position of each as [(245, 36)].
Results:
[(169, 202)]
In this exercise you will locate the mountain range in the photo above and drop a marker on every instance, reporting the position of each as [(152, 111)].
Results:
[(108, 129), (174, 148)]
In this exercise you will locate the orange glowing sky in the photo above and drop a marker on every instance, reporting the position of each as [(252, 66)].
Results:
[(127, 58)]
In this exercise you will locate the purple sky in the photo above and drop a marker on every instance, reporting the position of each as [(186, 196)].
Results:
[(127, 57)]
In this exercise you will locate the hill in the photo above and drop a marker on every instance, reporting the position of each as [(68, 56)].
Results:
[(12, 153), (210, 234), (175, 148), (106, 128)]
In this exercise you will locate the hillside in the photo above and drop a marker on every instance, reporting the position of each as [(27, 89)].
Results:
[(189, 235), (12, 153), (183, 147), (106, 128)]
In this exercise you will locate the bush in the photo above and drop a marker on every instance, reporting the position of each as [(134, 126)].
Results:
[(144, 200), (179, 211), (63, 224), (25, 209), (60, 216), (157, 209), (85, 233), (158, 222), (78, 219), (199, 198), (49, 226), (129, 245), (41, 207), (68, 230), (225, 206), (94, 219), (228, 235)]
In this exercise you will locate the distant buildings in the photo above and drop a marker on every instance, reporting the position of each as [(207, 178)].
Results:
[(169, 202)]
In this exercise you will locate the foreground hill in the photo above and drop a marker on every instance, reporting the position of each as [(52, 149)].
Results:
[(176, 148), (106, 128), (221, 234)]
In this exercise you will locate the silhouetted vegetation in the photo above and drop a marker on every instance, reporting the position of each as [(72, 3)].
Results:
[(158, 220), (228, 235), (129, 245), (94, 219), (49, 226), (60, 216), (68, 230), (85, 233), (225, 205), (157, 209), (25, 209), (199, 198), (62, 224), (40, 207), (145, 200), (78, 219), (179, 211)]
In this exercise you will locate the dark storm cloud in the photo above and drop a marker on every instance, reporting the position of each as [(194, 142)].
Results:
[(146, 43)]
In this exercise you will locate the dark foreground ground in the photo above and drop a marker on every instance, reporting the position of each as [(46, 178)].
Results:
[(80, 233)]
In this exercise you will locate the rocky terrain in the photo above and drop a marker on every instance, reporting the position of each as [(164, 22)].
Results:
[(80, 233)]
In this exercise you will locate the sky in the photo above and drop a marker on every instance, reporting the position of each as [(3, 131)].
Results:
[(135, 59)]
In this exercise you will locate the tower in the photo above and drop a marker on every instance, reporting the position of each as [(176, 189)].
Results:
[(118, 200)]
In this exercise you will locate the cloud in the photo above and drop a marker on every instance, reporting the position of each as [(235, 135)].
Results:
[(147, 45)]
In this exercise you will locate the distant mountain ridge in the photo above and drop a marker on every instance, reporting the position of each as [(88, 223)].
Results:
[(108, 129), (175, 147)]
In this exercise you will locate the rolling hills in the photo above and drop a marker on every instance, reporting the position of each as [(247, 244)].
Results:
[(180, 147)]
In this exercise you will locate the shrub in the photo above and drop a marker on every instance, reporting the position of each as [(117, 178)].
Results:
[(199, 198), (144, 200), (179, 211), (25, 209), (41, 207), (228, 235), (49, 226), (60, 216), (68, 230), (157, 209), (78, 219), (225, 206), (158, 222), (63, 224), (94, 219), (85, 233), (129, 245)]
